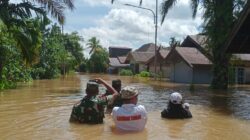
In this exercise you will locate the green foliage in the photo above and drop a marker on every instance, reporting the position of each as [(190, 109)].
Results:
[(144, 74), (218, 20), (94, 45), (98, 62), (83, 67), (13, 70), (126, 72), (72, 44), (191, 87)]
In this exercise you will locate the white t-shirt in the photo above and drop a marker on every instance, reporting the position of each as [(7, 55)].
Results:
[(130, 117)]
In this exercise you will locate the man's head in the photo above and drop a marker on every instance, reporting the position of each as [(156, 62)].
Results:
[(117, 84), (175, 98), (92, 88), (129, 95)]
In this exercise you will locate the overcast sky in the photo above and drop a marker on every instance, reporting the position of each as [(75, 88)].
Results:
[(119, 25)]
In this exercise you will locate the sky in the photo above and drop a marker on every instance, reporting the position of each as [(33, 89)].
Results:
[(119, 25)]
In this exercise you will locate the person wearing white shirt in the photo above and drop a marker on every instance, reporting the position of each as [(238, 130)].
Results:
[(130, 116)]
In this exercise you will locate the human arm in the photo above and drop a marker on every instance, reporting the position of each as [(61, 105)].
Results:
[(108, 86)]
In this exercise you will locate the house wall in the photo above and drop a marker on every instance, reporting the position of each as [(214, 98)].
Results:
[(180, 72), (247, 74), (142, 67), (202, 75), (164, 69)]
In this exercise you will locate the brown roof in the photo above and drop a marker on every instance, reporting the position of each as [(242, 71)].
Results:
[(113, 61), (164, 52), (238, 40), (150, 47), (199, 39), (191, 56), (141, 57)]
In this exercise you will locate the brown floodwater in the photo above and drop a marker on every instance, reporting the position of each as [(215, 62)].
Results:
[(41, 109)]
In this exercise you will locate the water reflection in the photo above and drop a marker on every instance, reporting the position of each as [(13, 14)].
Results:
[(41, 111)]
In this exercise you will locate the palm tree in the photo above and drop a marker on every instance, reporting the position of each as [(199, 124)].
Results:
[(94, 45), (17, 18), (218, 20)]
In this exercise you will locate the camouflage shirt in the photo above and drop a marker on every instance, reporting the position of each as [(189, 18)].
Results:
[(90, 109)]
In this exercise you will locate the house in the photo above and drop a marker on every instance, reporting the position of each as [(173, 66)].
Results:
[(241, 67), (149, 47), (199, 42), (138, 60), (116, 64), (115, 51), (189, 65), (162, 67), (117, 59)]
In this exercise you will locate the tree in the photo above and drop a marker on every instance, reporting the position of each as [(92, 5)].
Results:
[(94, 45), (98, 62), (16, 17), (173, 42), (72, 44), (218, 20)]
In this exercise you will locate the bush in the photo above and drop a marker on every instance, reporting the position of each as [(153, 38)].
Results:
[(144, 74), (125, 72)]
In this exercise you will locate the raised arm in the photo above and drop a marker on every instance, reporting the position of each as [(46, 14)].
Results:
[(108, 86)]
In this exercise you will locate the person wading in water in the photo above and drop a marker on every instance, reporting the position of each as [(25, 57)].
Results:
[(176, 108), (130, 116), (91, 108)]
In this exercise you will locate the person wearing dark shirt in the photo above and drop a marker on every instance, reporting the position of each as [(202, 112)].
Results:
[(176, 108), (116, 84)]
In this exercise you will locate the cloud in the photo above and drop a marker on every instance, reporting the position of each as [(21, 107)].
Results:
[(120, 25)]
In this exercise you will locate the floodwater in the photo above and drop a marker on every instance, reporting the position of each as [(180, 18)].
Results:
[(41, 109)]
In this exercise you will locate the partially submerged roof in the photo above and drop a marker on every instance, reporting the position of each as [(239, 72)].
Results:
[(239, 39), (114, 62), (150, 47), (191, 56), (140, 57)]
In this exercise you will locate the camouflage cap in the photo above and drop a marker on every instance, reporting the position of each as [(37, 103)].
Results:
[(129, 92), (92, 86)]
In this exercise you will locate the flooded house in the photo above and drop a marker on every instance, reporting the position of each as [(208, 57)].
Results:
[(138, 59), (239, 61), (117, 59), (189, 65), (162, 67)]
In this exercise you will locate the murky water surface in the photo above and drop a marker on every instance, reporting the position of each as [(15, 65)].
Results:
[(41, 110)]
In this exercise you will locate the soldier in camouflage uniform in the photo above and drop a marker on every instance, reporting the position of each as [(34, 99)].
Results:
[(91, 108)]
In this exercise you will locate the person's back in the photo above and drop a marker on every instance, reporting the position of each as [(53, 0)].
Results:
[(87, 111), (176, 111), (91, 108), (129, 117), (175, 108)]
